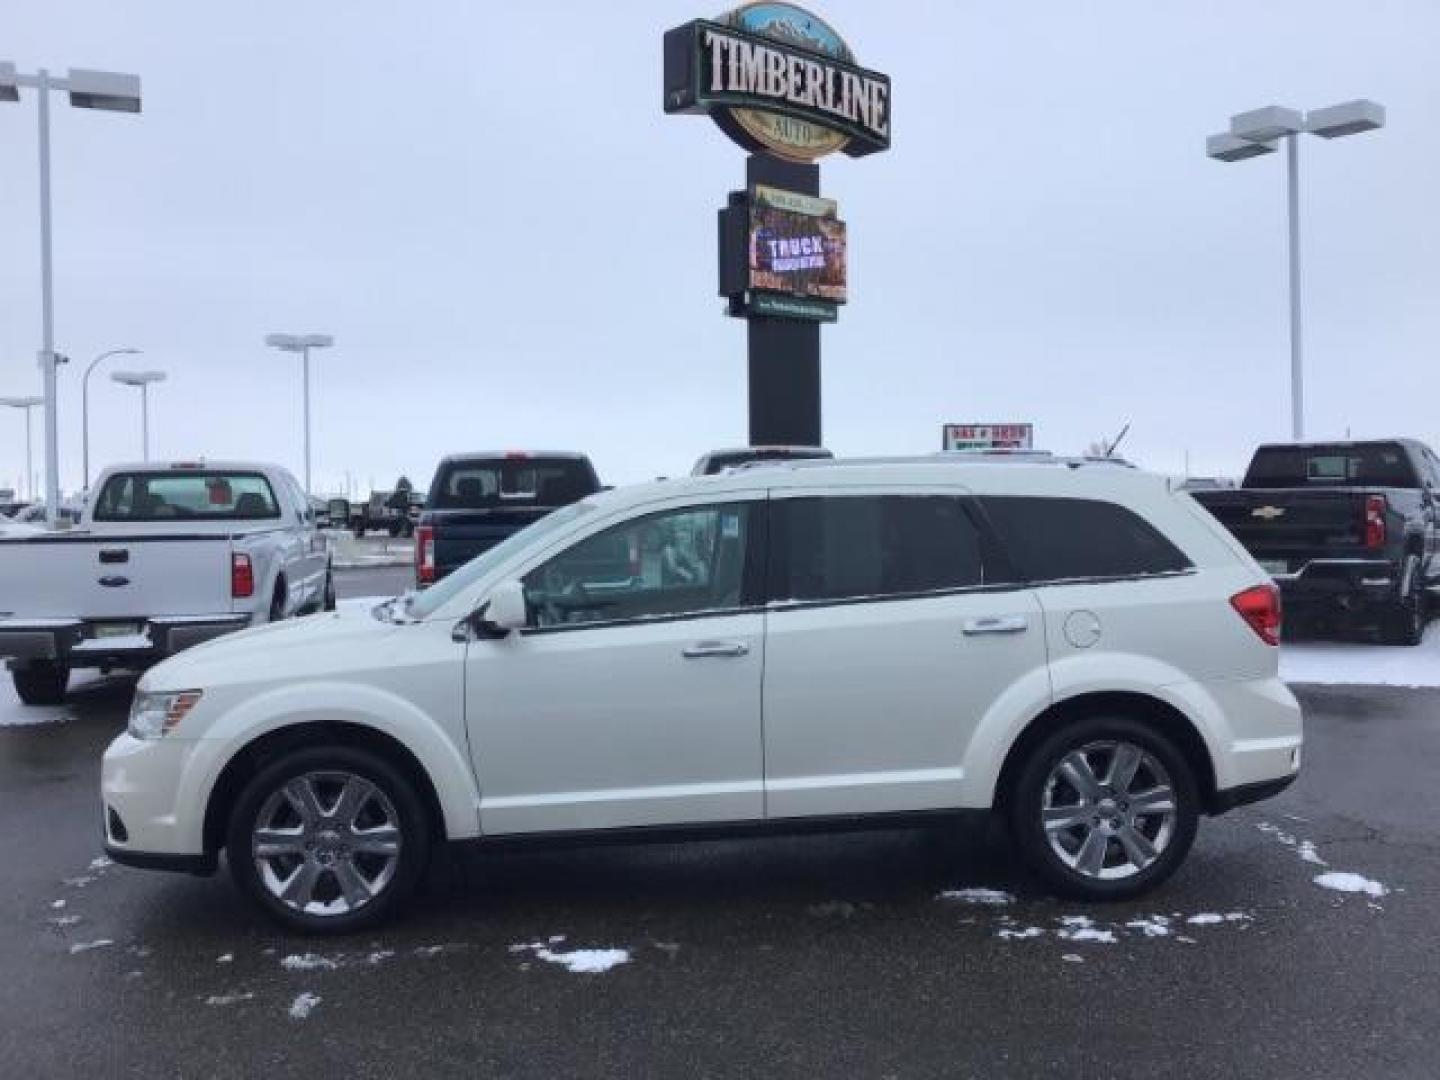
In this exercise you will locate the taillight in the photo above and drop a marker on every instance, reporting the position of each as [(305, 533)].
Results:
[(425, 555), (1375, 507), (242, 575), (1260, 607)]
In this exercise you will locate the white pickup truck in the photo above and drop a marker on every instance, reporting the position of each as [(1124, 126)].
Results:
[(163, 557)]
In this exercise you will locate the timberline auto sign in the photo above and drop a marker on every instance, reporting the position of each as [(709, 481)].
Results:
[(778, 79)]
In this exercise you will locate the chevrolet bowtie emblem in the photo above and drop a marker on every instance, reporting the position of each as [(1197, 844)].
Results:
[(1269, 513)]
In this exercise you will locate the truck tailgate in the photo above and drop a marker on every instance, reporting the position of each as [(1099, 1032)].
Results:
[(460, 535), (1287, 523), (75, 575)]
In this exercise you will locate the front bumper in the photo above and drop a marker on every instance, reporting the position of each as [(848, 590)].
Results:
[(76, 642), (153, 813)]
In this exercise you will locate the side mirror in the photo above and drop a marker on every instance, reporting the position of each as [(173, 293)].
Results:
[(507, 609)]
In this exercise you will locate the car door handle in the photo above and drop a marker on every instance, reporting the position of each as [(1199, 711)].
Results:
[(996, 624), (702, 649)]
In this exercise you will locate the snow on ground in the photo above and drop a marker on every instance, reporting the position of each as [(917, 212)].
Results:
[(579, 961), (1359, 663), (978, 896), (304, 1002), (1342, 881)]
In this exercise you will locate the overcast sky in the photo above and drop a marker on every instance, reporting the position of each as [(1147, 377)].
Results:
[(514, 246)]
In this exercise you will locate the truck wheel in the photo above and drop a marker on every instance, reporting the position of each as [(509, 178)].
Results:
[(277, 603), (1405, 623), (41, 682), (328, 839), (1105, 808), (329, 602)]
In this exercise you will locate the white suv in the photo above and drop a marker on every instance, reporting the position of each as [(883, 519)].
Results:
[(1083, 649)]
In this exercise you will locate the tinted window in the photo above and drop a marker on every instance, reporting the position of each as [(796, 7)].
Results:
[(197, 495), (1364, 465), (841, 547), (671, 563), (486, 482), (1058, 539)]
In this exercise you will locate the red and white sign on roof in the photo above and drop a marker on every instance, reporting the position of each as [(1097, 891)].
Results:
[(989, 436)]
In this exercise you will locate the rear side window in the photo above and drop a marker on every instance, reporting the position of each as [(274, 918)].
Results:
[(180, 496), (1062, 539), (482, 483), (1342, 465), (845, 547)]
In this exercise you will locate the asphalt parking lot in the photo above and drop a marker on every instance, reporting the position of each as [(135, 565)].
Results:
[(917, 953)]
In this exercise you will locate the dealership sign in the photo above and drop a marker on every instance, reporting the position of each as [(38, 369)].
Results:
[(988, 436), (777, 79)]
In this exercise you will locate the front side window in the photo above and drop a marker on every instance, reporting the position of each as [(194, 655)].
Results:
[(1062, 539), (196, 496), (848, 546), (676, 562)]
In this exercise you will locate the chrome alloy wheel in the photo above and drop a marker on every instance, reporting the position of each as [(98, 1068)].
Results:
[(326, 843), (1108, 809)]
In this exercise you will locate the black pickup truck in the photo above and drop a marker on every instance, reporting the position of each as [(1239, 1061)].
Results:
[(1347, 529), (477, 500)]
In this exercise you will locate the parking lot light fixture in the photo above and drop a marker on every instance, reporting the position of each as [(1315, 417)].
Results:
[(109, 91), (26, 403), (142, 379), (1254, 134), (85, 411), (302, 344)]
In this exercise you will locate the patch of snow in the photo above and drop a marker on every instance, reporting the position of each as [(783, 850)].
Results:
[(1073, 958), (1151, 926), (1360, 664), (1089, 933), (1238, 916), (57, 904), (586, 961), (86, 946), (303, 1005), (1021, 935), (229, 999), (78, 882), (978, 896), (225, 958), (1205, 918), (64, 920), (1184, 940), (99, 863), (1345, 882), (429, 950), (308, 962), (379, 956)]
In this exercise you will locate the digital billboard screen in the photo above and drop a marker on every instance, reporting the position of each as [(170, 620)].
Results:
[(796, 245)]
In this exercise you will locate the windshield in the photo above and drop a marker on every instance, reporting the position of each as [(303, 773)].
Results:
[(476, 484), (1343, 465), (168, 496), (423, 605)]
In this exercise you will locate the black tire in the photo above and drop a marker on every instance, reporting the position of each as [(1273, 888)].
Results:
[(394, 529), (413, 827), (1025, 803), (41, 682), (328, 602), (1405, 623), (277, 602)]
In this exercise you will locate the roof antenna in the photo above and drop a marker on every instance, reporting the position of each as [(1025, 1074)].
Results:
[(1110, 450)]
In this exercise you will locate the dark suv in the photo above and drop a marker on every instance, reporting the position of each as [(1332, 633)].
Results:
[(478, 500)]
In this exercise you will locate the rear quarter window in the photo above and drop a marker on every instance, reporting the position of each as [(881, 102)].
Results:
[(1056, 539)]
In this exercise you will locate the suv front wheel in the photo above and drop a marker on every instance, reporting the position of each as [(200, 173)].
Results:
[(328, 839), (1104, 808)]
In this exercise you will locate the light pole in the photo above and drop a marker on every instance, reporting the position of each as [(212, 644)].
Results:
[(1255, 133), (302, 344), (26, 403), (106, 90), (142, 379), (85, 411)]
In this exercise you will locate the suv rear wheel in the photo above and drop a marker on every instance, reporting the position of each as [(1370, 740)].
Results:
[(1105, 808), (328, 839), (41, 682)]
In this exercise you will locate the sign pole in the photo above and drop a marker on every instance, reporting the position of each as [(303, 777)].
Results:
[(784, 354)]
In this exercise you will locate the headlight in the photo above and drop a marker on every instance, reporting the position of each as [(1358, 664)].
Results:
[(155, 714)]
